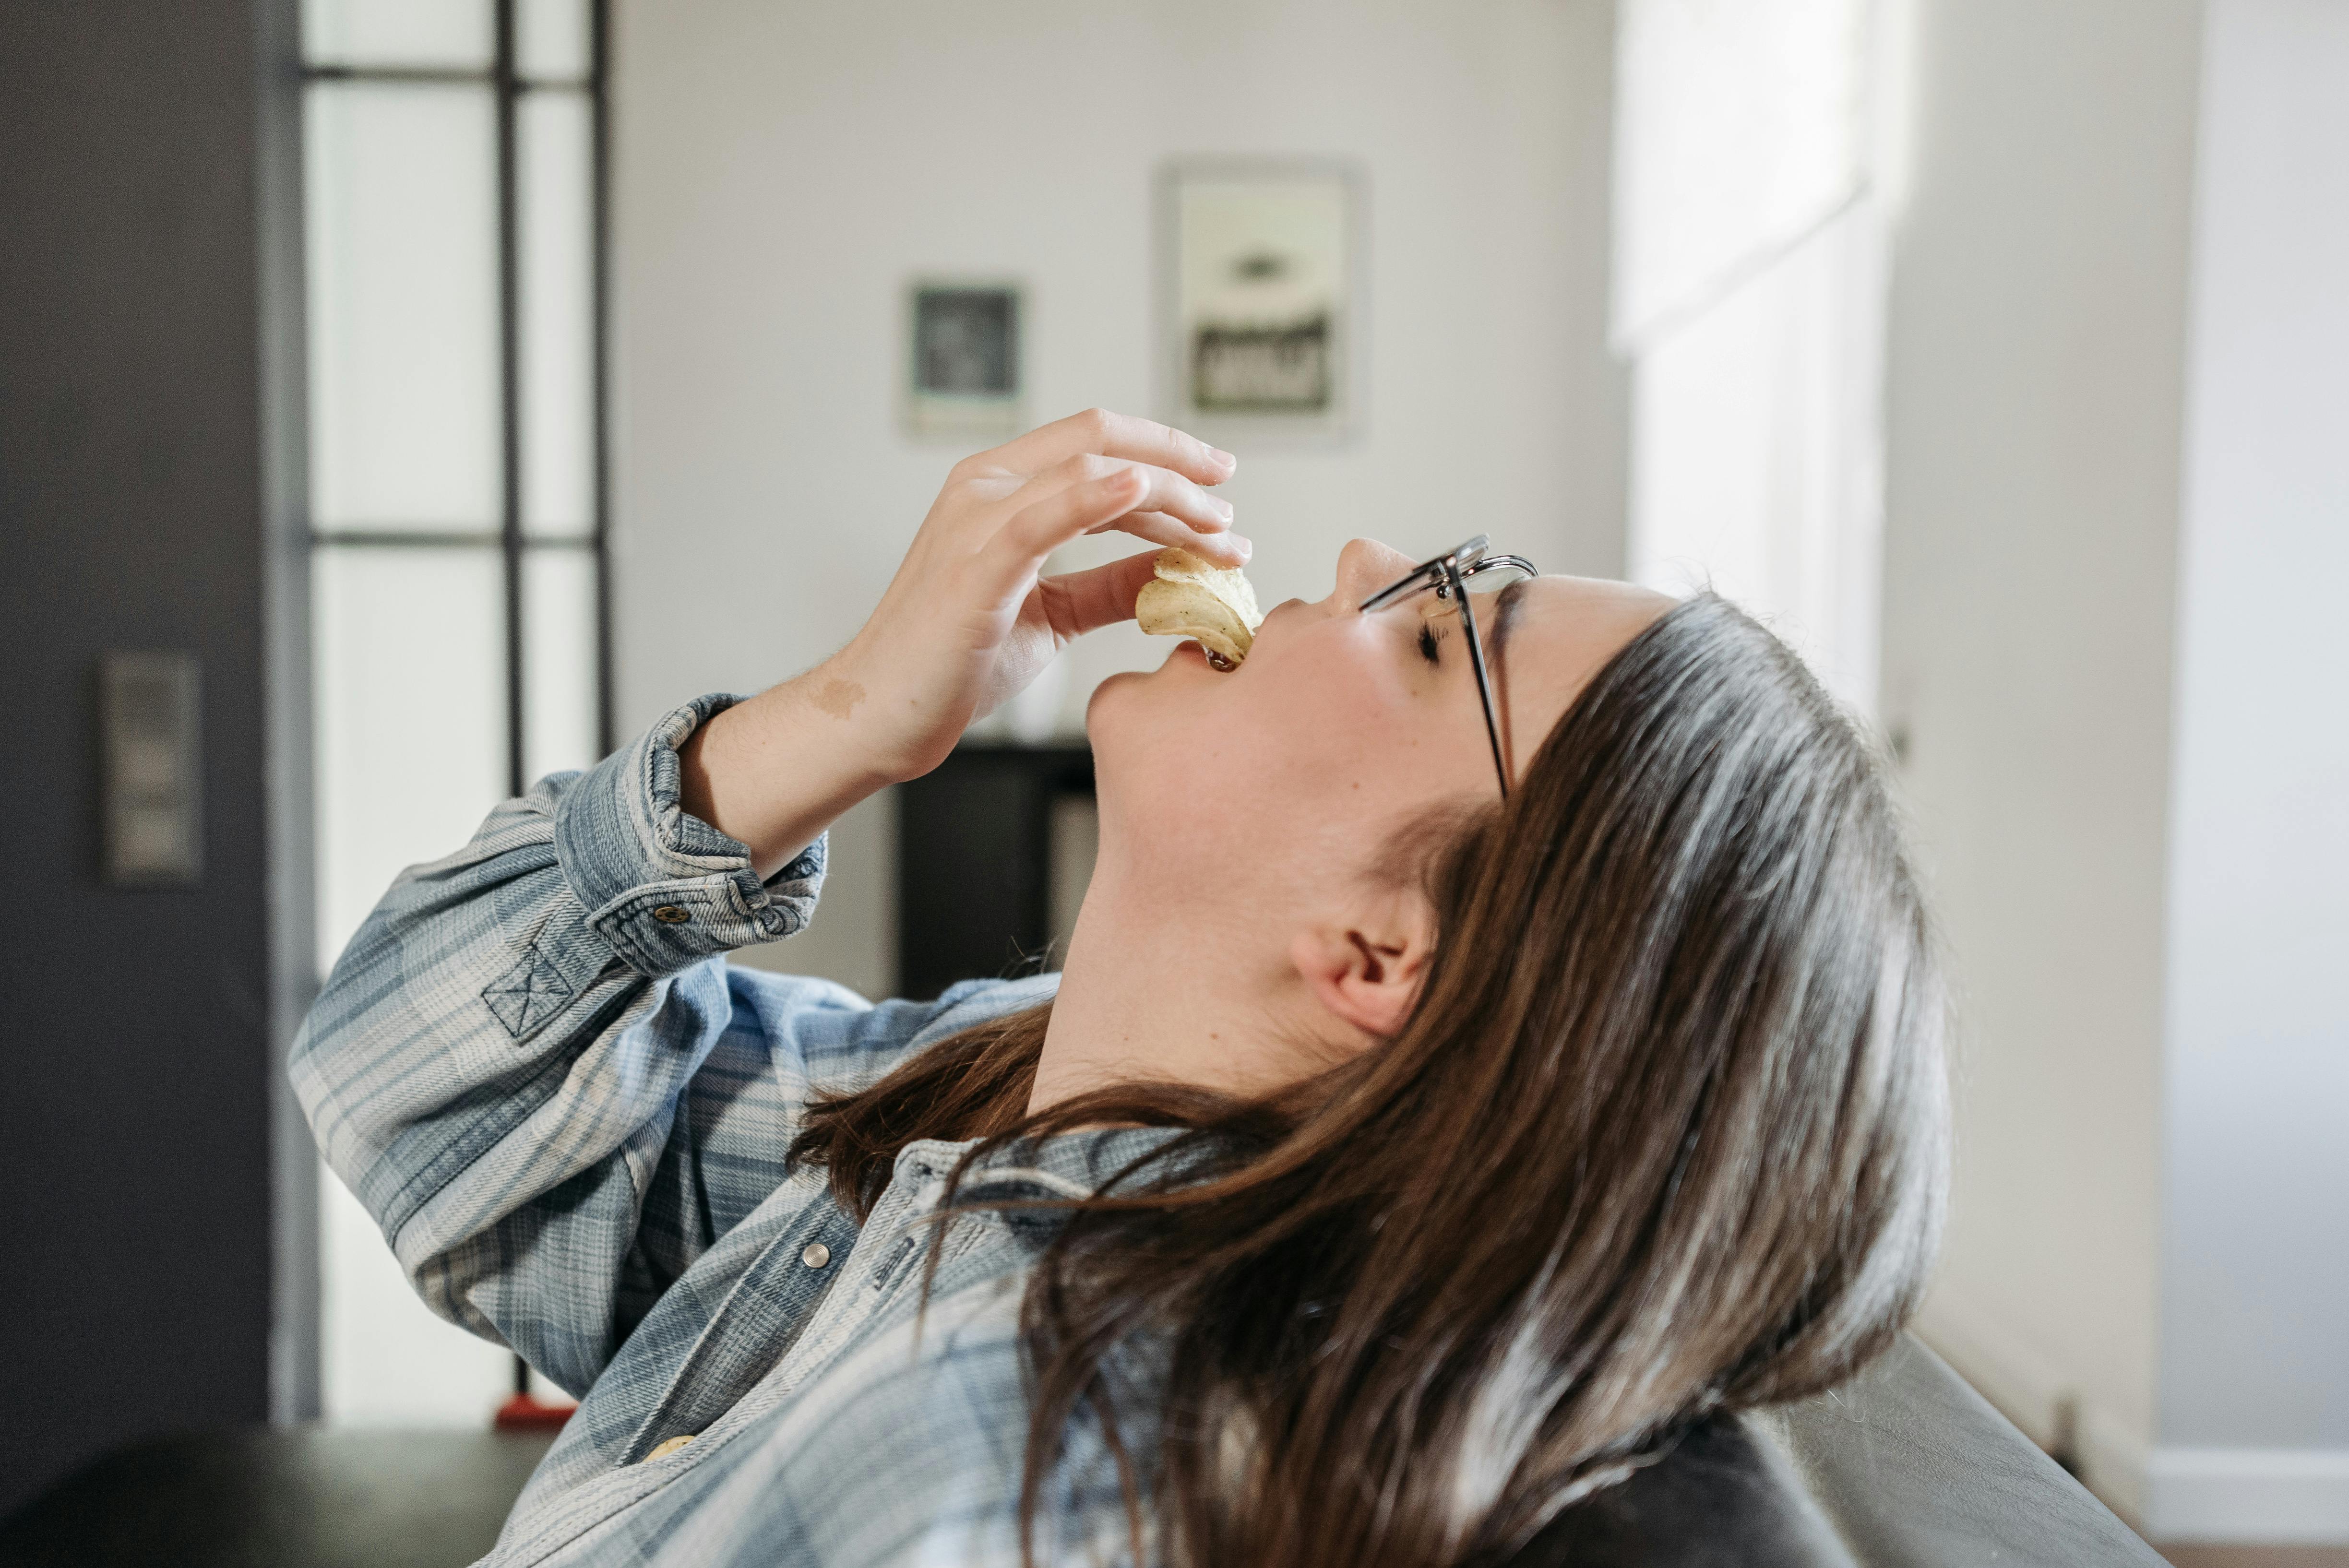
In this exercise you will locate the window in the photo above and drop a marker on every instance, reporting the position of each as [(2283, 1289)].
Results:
[(1748, 299), (453, 210)]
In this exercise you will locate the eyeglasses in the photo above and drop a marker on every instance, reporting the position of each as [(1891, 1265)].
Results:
[(1448, 576)]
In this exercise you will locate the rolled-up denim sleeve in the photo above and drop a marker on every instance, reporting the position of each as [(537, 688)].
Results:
[(504, 1064), (664, 889)]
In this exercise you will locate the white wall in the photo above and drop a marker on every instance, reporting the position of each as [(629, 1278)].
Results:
[(2255, 1334), (2117, 474), (782, 170), (2033, 399)]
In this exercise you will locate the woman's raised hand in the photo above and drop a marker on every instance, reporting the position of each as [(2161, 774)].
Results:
[(967, 621)]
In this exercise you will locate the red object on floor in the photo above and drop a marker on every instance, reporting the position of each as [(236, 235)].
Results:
[(527, 1413)]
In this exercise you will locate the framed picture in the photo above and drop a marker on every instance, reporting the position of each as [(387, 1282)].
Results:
[(1260, 297), (963, 358)]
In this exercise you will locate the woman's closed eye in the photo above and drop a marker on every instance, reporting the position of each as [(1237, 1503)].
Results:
[(1428, 644)]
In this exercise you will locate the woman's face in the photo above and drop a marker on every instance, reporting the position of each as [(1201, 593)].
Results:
[(1270, 785)]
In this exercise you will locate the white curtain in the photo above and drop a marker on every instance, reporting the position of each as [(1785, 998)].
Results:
[(1748, 298)]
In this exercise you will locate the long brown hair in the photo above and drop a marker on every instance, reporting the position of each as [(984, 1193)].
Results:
[(1665, 1135)]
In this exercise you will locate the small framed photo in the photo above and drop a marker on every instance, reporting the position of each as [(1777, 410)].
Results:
[(1260, 297), (963, 358)]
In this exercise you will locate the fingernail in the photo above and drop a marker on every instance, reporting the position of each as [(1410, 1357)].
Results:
[(1222, 457), (1246, 550), (1222, 505)]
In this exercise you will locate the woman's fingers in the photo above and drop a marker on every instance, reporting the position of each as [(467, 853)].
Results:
[(1224, 549), (1165, 490), (1080, 602), (1099, 433), (1008, 562), (1160, 506), (1042, 526)]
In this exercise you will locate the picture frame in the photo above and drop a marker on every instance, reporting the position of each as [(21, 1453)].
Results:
[(1261, 296), (964, 358)]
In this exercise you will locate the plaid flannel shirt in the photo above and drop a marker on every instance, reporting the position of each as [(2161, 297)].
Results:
[(569, 1115)]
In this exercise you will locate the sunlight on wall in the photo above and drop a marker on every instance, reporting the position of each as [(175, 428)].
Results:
[(1748, 298)]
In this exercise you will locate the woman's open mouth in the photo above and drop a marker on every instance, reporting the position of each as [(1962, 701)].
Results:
[(1190, 649)]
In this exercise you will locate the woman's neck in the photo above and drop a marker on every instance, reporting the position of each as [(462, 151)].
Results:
[(1152, 992)]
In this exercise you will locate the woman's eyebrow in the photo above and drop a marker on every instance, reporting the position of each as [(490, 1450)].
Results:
[(1505, 614)]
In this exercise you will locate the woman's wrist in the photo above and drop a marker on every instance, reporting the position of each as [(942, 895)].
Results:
[(775, 770), (966, 622)]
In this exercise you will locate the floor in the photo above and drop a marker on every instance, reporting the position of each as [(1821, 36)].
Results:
[(283, 1498), (2257, 1556)]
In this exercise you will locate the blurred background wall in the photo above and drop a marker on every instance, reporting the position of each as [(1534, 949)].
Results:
[(2115, 503), (141, 510), (2255, 1265), (2035, 377), (839, 152)]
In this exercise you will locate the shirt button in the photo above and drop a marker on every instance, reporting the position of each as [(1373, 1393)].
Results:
[(663, 1449), (815, 1255), (670, 915)]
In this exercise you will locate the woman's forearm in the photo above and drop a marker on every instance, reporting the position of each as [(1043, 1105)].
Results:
[(775, 771), (519, 1021)]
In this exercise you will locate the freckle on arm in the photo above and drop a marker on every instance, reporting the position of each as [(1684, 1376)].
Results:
[(838, 697)]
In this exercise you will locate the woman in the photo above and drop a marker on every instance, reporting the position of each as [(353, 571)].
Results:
[(1409, 1147)]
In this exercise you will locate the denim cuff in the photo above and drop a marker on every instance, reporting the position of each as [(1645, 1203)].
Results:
[(664, 888)]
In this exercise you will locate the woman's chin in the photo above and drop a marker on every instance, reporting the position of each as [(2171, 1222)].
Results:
[(1113, 693), (1184, 658), (1130, 690)]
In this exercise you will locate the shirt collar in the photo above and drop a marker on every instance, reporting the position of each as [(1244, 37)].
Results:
[(1069, 1164)]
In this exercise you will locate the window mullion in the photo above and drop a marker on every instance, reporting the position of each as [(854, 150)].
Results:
[(509, 388), (599, 165)]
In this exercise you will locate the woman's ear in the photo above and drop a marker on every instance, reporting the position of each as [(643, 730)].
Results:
[(1365, 966)]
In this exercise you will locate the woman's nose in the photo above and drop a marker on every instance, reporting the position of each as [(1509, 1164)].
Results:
[(1364, 567)]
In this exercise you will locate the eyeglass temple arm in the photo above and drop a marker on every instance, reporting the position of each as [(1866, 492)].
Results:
[(1486, 563), (1476, 662)]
